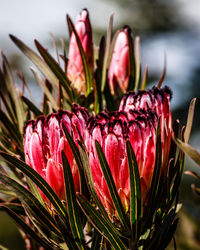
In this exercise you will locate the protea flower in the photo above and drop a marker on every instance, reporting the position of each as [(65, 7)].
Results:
[(158, 101), (75, 70), (139, 125), (119, 70), (44, 140), (111, 131)]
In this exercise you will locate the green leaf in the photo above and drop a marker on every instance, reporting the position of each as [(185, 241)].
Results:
[(31, 106), (17, 208), (46, 90), (7, 124), (56, 69), (96, 240), (100, 223), (192, 173), (21, 224), (111, 186), (39, 63), (88, 78), (144, 80), (163, 73), (131, 61), (69, 240), (20, 112), (6, 97), (189, 150), (137, 62), (90, 183), (73, 211), (107, 52), (156, 173), (189, 120), (35, 190), (38, 180), (31, 201), (135, 202), (98, 77), (75, 153)]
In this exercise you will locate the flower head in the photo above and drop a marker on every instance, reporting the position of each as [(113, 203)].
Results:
[(44, 140), (119, 70), (136, 120), (111, 131), (75, 70), (158, 100)]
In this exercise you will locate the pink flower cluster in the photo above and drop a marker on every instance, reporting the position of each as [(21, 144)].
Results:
[(136, 120)]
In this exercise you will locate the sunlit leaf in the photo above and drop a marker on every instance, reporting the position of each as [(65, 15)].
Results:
[(137, 62), (46, 90), (107, 52), (189, 120), (56, 69), (163, 73)]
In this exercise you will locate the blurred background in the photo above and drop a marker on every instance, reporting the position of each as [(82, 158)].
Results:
[(171, 27)]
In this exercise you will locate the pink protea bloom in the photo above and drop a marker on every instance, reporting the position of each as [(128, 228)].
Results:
[(75, 70), (111, 131), (158, 100), (119, 70), (44, 140)]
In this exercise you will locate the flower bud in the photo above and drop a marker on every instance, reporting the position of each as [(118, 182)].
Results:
[(44, 140), (119, 70), (75, 69)]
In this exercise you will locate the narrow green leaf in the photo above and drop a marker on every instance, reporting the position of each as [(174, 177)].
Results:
[(35, 190), (7, 124), (56, 69), (20, 223), (90, 183), (20, 112), (31, 106), (39, 63), (31, 201), (144, 80), (107, 52), (189, 150), (75, 153), (6, 97), (17, 208), (68, 238), (98, 77), (131, 61), (100, 223), (189, 120), (96, 240), (163, 73), (192, 173), (88, 77), (111, 186), (38, 180), (73, 212), (156, 173), (137, 62), (46, 90), (135, 202)]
